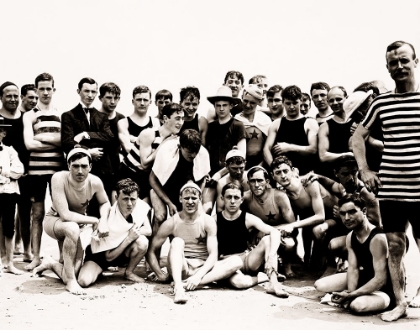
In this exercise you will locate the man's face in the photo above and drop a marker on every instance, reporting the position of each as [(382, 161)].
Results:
[(161, 103), (175, 121), (109, 101), (88, 93), (45, 91), (190, 200), (233, 200), (79, 169), (292, 108), (141, 102), (305, 105), (234, 84), (336, 99), (249, 103), (30, 100), (319, 97), (351, 215), (127, 203), (263, 84), (190, 105), (347, 176), (223, 108), (10, 98), (188, 154), (400, 64), (275, 104), (283, 175), (236, 170), (258, 183)]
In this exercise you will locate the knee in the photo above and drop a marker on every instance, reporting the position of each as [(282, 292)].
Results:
[(38, 212), (72, 231), (84, 280), (159, 215), (358, 306), (320, 231), (396, 245), (177, 243), (239, 282), (142, 244), (319, 286)]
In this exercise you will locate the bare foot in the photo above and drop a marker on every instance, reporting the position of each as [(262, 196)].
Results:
[(262, 278), (288, 270), (397, 313), (180, 296), (27, 257), (74, 288), (13, 270), (134, 278), (277, 290), (18, 250), (415, 303), (36, 261), (46, 264)]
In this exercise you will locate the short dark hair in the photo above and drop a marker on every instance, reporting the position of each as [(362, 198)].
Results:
[(86, 80), (5, 85), (352, 198), (232, 185), (189, 90), (44, 77), (366, 87), (306, 96), (255, 169), (127, 186), (109, 87), (319, 85), (292, 93), (238, 74), (273, 90), (141, 89), (280, 160), (397, 44), (163, 94), (169, 109), (190, 139), (236, 160), (256, 79), (344, 161), (340, 88), (26, 88)]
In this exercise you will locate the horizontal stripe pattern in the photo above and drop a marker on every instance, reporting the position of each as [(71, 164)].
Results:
[(399, 117)]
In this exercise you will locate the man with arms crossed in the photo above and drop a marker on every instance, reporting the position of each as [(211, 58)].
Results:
[(193, 250), (72, 191), (126, 244), (398, 185)]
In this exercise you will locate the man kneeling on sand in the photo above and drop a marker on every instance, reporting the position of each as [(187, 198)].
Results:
[(128, 225)]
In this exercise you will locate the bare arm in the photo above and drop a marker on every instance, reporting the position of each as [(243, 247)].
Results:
[(372, 206), (353, 270), (269, 142), (317, 206), (146, 153), (324, 145), (203, 127), (125, 138), (157, 187), (28, 135), (251, 221)]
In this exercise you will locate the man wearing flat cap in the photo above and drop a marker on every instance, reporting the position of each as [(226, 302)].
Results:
[(256, 124), (72, 192)]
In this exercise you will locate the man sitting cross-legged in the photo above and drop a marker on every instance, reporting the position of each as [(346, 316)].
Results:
[(193, 250), (128, 225), (72, 191), (367, 286)]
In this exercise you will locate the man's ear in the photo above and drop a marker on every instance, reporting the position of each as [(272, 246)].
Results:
[(296, 171), (78, 91)]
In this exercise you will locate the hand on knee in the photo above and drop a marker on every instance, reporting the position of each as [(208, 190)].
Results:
[(142, 243)]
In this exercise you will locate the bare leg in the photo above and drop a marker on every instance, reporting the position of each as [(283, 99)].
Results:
[(396, 243), (88, 273), (18, 237), (38, 214), (24, 214), (9, 267), (416, 300), (222, 270), (209, 197), (137, 251), (160, 212), (176, 266)]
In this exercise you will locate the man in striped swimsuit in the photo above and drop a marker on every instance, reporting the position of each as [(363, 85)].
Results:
[(397, 183), (41, 129)]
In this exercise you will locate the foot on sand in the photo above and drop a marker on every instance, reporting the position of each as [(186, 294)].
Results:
[(415, 303), (46, 264), (180, 296), (277, 290), (27, 257), (74, 288), (134, 278), (397, 313), (36, 261), (13, 270)]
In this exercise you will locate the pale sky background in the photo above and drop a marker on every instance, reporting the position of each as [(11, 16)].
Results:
[(172, 44)]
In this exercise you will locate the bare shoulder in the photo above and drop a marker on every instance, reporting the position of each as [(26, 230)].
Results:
[(146, 136)]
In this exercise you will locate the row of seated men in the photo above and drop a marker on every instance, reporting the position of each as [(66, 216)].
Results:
[(162, 154)]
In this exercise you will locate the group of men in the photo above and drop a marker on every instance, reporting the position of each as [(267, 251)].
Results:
[(230, 189)]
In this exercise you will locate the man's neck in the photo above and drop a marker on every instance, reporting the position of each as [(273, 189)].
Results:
[(110, 114), (188, 217), (249, 115), (231, 216), (280, 115), (44, 107), (261, 199), (139, 116), (294, 187), (224, 120), (405, 87), (10, 115), (294, 118), (339, 116), (363, 231), (325, 113)]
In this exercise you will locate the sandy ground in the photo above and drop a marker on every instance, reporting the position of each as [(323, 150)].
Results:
[(43, 303)]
